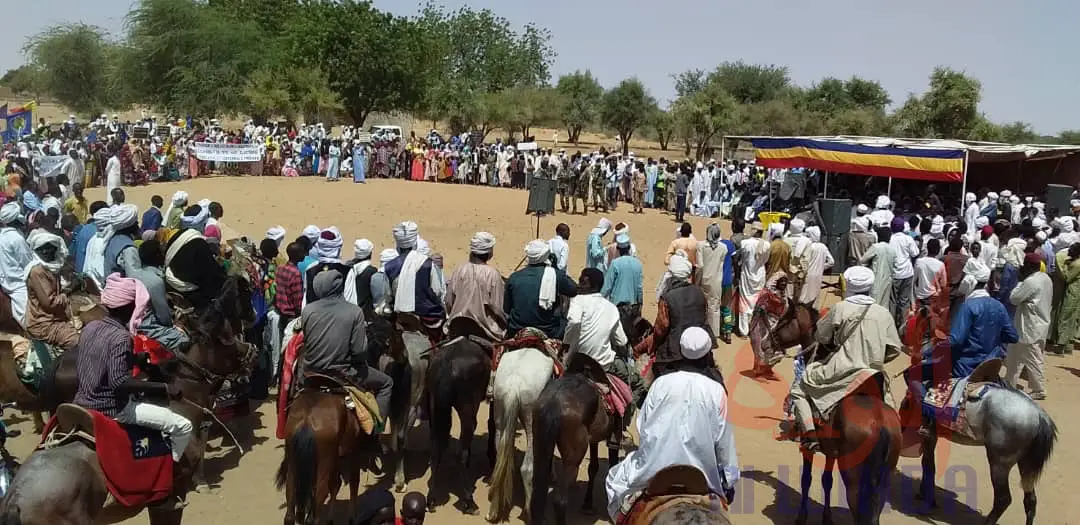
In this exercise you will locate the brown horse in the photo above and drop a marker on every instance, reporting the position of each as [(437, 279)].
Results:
[(677, 495), (570, 415), (862, 434), (324, 444), (65, 485), (795, 327)]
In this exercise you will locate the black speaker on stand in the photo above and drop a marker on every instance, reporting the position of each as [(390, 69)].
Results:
[(835, 217), (1058, 196)]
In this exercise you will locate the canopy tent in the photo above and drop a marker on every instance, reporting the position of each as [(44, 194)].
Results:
[(931, 160)]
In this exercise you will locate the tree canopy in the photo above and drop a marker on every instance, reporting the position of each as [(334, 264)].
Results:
[(469, 69)]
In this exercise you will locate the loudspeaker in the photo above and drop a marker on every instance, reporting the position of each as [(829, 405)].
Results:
[(838, 247), (835, 216), (541, 196), (1058, 196)]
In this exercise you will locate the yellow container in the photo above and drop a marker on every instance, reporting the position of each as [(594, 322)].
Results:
[(769, 217)]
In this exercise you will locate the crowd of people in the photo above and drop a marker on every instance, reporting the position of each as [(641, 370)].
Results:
[(1000, 280)]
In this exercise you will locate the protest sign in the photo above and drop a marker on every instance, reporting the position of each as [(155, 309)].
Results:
[(49, 165), (221, 152)]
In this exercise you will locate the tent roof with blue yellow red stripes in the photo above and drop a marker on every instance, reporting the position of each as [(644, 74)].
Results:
[(917, 159)]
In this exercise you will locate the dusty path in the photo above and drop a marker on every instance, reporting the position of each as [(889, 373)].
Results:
[(448, 215)]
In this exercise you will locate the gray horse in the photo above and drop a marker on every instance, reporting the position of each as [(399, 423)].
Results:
[(1015, 431)]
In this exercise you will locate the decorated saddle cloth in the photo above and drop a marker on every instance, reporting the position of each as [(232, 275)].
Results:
[(616, 395), (642, 509), (136, 462), (947, 401), (530, 338)]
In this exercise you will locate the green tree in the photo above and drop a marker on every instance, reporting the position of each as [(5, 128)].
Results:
[(912, 119), (867, 94), (751, 83), (625, 109), (1069, 136), (470, 55), (73, 65), (1018, 133), (521, 108), (689, 82), (663, 125), (952, 103), (23, 79), (581, 95), (702, 116)]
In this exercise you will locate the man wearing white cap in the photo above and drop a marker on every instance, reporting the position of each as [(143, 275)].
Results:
[(532, 293), (595, 255), (416, 281), (358, 279), (971, 212), (881, 215), (684, 421), (863, 332), (475, 290)]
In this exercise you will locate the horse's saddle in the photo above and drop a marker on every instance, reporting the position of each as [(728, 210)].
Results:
[(359, 401), (530, 338), (614, 392), (948, 399), (677, 479), (75, 422)]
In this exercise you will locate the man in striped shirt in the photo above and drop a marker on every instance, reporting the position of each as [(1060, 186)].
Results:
[(105, 365)]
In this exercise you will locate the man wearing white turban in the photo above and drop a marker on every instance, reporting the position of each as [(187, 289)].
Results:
[(121, 229), (16, 260), (359, 265), (595, 254), (881, 215), (476, 291), (176, 209), (328, 251), (881, 258), (48, 317), (816, 258), (971, 213), (863, 333), (753, 253), (276, 234), (531, 293), (682, 305), (417, 282)]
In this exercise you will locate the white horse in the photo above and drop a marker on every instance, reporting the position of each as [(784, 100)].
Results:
[(521, 376)]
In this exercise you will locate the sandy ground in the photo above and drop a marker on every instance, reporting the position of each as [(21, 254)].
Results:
[(447, 216)]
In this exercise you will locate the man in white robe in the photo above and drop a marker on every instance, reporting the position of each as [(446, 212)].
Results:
[(684, 421), (16, 260), (112, 175), (861, 330), (816, 259), (753, 253), (971, 213)]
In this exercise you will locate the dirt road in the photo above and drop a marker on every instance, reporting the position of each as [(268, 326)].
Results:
[(448, 215)]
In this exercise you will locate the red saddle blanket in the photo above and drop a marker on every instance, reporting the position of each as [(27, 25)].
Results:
[(288, 369), (548, 346), (136, 461), (156, 353), (616, 398)]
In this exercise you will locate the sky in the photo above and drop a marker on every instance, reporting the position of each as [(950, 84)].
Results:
[(1020, 51)]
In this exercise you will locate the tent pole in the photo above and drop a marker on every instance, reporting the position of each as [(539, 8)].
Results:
[(723, 142), (888, 190), (963, 184), (825, 191)]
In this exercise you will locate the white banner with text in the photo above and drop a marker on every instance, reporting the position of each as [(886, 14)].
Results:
[(221, 152)]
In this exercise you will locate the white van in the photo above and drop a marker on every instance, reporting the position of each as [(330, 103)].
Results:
[(385, 132)]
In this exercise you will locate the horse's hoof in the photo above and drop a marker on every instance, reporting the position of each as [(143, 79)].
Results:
[(205, 488), (469, 507)]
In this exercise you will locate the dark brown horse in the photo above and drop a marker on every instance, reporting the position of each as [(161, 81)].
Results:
[(457, 379), (324, 444), (64, 484), (570, 415)]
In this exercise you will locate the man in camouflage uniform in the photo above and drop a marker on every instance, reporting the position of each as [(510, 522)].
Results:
[(579, 185), (599, 186), (563, 184)]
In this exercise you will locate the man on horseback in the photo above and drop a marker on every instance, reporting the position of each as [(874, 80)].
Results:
[(191, 267), (861, 331), (47, 313), (594, 329), (682, 305), (683, 422), (158, 322), (417, 284), (474, 286), (532, 293), (105, 364), (979, 330), (335, 340), (121, 255), (328, 250)]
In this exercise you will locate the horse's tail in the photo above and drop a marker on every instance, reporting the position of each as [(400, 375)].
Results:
[(547, 423), (501, 491), (300, 460), (1038, 452)]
